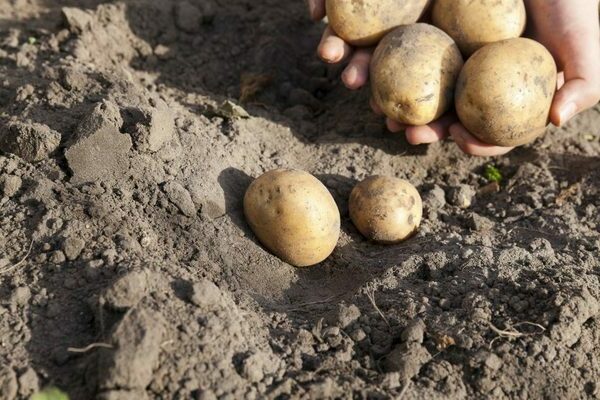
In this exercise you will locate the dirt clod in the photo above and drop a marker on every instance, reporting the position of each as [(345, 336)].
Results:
[(126, 291), (180, 197), (407, 359), (72, 247), (8, 383), (137, 340), (10, 185), (29, 140), (100, 156), (205, 294), (29, 382)]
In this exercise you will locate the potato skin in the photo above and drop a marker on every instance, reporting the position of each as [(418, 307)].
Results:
[(413, 73), (505, 91), (293, 215), (474, 23), (385, 209), (365, 22)]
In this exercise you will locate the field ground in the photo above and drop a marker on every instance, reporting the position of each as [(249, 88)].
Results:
[(127, 270)]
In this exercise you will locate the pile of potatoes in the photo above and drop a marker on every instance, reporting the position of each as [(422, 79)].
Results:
[(502, 93), (295, 217)]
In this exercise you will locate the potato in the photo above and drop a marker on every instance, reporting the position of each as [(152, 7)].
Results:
[(365, 22), (474, 23), (293, 215), (413, 73), (505, 91), (385, 209)]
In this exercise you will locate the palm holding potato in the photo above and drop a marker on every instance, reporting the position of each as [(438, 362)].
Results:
[(568, 28)]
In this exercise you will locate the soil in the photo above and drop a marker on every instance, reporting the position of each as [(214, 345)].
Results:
[(130, 130)]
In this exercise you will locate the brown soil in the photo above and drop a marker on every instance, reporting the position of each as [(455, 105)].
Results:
[(121, 225)]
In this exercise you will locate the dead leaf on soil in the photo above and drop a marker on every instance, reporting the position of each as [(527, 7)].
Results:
[(228, 109), (252, 84), (444, 341), (567, 194), (492, 187)]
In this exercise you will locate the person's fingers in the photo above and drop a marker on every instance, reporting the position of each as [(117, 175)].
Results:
[(471, 145), (316, 8), (573, 97), (333, 49), (432, 132), (375, 107), (356, 73), (394, 126)]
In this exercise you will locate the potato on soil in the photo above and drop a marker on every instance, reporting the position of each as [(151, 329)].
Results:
[(365, 22), (293, 215), (505, 91), (413, 73), (475, 23), (385, 209)]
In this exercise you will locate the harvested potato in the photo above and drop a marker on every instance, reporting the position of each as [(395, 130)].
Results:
[(413, 73), (505, 91), (385, 209), (474, 23), (293, 215), (365, 22)]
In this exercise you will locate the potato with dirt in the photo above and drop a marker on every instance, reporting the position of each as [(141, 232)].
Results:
[(413, 73), (505, 91), (293, 215), (386, 210), (474, 23), (365, 22)]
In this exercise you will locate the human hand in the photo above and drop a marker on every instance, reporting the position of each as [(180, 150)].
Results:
[(332, 49), (568, 28)]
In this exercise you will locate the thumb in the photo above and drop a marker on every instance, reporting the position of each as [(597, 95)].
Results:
[(573, 97)]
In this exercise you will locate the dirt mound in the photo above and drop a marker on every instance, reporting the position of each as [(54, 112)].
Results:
[(129, 131)]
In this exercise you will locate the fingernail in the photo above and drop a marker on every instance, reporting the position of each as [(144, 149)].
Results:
[(567, 112), (330, 54), (350, 74)]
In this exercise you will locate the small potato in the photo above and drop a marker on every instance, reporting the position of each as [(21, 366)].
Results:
[(365, 22), (293, 215), (505, 91), (474, 23), (386, 210), (413, 73)]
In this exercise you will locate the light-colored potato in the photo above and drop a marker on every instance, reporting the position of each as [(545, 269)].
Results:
[(505, 91), (413, 73), (474, 23), (293, 215), (365, 22), (385, 209)]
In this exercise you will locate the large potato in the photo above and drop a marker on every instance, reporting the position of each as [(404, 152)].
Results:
[(365, 22), (505, 91), (385, 209), (413, 73), (293, 215), (474, 23)]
